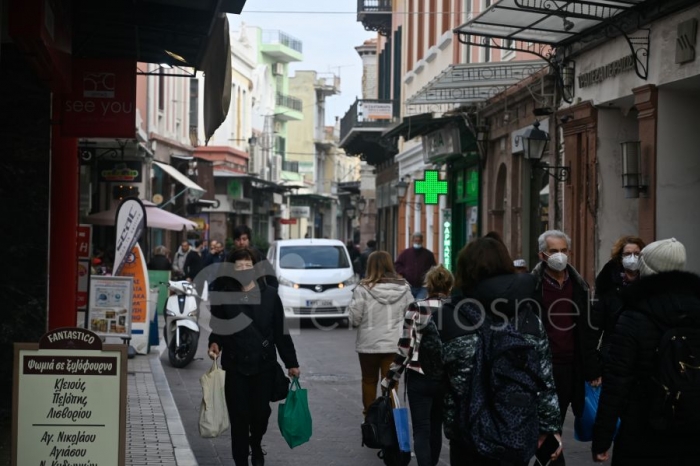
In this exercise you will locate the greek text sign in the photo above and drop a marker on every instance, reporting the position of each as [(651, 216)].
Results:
[(612, 69), (69, 400)]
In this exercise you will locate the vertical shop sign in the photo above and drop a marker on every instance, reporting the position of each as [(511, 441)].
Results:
[(135, 267), (102, 102), (447, 238), (84, 239), (69, 395)]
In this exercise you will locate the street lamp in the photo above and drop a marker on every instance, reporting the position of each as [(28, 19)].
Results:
[(534, 144), (482, 134), (361, 204), (350, 211), (401, 188)]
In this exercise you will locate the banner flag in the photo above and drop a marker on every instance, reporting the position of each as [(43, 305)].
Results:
[(130, 223)]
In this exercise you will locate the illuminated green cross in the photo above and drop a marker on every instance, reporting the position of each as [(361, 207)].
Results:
[(431, 186)]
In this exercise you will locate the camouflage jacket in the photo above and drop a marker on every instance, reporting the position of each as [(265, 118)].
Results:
[(458, 361)]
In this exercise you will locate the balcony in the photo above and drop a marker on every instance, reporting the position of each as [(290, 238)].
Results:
[(375, 15), (288, 108), (362, 126), (281, 46)]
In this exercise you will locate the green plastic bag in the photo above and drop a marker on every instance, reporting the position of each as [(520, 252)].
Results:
[(294, 417)]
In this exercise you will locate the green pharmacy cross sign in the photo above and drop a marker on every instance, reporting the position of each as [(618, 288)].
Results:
[(431, 186)]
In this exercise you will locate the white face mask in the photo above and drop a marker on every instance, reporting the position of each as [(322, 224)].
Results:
[(557, 261), (631, 263), (417, 245)]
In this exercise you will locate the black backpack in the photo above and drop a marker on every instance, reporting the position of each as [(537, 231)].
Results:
[(378, 431), (498, 417), (675, 389)]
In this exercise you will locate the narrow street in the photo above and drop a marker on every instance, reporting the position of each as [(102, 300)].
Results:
[(331, 373)]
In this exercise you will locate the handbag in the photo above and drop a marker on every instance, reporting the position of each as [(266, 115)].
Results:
[(280, 382), (213, 413)]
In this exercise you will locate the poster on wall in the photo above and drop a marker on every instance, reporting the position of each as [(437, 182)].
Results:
[(109, 313), (135, 268), (69, 393)]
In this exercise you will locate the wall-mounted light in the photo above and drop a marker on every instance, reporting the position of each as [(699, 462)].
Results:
[(534, 142), (632, 179), (350, 211), (482, 137), (361, 204), (124, 190), (401, 188), (568, 76)]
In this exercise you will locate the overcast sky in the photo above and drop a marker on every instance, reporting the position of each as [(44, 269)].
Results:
[(329, 40)]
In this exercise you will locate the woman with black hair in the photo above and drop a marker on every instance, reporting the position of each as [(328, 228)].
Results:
[(247, 325)]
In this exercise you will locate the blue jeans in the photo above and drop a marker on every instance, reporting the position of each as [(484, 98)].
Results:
[(419, 292)]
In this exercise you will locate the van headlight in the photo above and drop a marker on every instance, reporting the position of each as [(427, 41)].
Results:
[(285, 282), (349, 282)]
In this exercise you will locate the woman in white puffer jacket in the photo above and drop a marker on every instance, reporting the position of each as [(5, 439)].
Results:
[(377, 308)]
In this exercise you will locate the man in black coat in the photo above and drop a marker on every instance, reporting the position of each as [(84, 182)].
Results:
[(564, 301), (371, 247), (663, 298), (247, 325)]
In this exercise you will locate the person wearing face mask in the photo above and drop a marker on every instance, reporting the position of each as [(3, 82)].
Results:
[(564, 301), (621, 270), (413, 263), (248, 331)]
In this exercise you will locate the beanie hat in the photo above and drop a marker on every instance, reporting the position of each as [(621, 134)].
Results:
[(662, 256)]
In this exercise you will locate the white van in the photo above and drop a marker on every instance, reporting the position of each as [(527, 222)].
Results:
[(315, 276)]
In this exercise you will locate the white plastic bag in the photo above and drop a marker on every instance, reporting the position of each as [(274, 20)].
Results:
[(213, 414)]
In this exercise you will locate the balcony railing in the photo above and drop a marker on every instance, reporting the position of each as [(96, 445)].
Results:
[(279, 37), (375, 15), (290, 166), (289, 102), (367, 113)]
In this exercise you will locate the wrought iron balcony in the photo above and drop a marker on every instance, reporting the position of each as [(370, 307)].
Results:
[(362, 126), (375, 15)]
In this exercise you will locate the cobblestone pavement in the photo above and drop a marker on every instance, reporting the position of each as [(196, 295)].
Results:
[(331, 373)]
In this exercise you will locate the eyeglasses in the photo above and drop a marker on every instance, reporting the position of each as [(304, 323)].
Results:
[(629, 254), (554, 251)]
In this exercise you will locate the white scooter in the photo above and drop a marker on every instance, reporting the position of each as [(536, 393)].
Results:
[(181, 315)]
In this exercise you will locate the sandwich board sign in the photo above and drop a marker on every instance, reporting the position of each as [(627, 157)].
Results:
[(69, 400)]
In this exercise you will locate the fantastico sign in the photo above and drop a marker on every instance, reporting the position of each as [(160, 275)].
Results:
[(69, 401), (601, 73)]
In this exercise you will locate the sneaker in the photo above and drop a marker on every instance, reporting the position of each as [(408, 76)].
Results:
[(257, 456)]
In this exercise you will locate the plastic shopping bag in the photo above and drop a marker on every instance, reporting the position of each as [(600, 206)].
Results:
[(294, 417), (213, 414), (403, 431), (583, 425)]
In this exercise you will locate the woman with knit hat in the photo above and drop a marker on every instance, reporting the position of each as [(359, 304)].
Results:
[(664, 298)]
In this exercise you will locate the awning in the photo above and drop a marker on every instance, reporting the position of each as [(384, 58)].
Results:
[(474, 82), (155, 218), (543, 22), (419, 125), (281, 186), (182, 179)]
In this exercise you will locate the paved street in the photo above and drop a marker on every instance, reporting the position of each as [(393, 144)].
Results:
[(331, 373)]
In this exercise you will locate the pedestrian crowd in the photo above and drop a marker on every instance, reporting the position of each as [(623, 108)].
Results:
[(493, 356)]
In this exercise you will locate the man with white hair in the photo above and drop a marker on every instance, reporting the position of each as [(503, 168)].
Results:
[(564, 301)]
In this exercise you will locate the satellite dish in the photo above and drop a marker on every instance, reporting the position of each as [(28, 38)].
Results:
[(157, 199)]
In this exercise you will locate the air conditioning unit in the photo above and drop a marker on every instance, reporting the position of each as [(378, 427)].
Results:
[(277, 169), (278, 69), (257, 161)]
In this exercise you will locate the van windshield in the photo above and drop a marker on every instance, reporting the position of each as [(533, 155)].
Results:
[(313, 257)]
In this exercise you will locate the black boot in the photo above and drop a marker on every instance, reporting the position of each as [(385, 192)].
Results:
[(257, 456)]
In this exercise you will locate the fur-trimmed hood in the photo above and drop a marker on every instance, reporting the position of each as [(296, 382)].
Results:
[(670, 298)]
